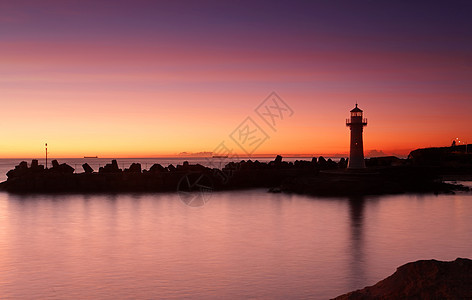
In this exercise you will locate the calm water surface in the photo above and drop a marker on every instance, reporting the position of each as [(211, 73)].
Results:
[(245, 244)]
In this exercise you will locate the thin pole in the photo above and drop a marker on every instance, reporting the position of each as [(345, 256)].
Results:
[(46, 155)]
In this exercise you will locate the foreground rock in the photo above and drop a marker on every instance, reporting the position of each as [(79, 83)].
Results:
[(423, 279)]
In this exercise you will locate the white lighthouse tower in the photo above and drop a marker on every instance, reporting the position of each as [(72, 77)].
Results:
[(356, 123)]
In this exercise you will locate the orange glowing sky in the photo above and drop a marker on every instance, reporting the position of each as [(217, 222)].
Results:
[(149, 78)]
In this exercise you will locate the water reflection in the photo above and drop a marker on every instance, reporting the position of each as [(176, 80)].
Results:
[(242, 244), (357, 263)]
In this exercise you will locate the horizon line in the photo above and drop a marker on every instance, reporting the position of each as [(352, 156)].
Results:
[(241, 157)]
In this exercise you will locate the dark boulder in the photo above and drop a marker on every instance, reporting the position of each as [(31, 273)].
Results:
[(36, 167), (134, 168), (342, 164), (23, 165), (18, 171), (87, 168), (331, 164), (423, 279), (278, 159), (110, 168), (156, 168), (34, 164), (55, 163), (66, 169), (322, 162), (61, 168)]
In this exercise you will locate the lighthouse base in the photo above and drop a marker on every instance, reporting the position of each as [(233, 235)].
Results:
[(356, 163)]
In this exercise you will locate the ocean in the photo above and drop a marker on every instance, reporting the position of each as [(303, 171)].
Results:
[(241, 244)]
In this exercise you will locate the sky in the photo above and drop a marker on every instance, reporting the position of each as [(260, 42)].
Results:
[(154, 78)]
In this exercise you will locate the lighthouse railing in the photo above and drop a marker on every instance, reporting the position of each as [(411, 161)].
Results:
[(349, 122)]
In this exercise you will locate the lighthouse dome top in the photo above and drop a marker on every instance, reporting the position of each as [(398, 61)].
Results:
[(356, 109)]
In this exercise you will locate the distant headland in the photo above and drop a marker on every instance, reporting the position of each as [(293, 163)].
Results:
[(424, 171)]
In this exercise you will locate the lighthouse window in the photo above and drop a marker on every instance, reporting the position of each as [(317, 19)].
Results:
[(356, 114)]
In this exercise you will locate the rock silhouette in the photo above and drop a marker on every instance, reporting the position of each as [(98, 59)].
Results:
[(134, 168), (156, 168), (385, 175), (110, 168), (87, 168), (61, 168), (20, 170), (423, 279)]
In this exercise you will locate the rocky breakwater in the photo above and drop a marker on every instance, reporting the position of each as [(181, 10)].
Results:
[(318, 176), (370, 181), (424, 279), (36, 177), (383, 175), (110, 178)]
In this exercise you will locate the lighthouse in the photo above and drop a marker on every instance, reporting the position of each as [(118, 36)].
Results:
[(356, 123)]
